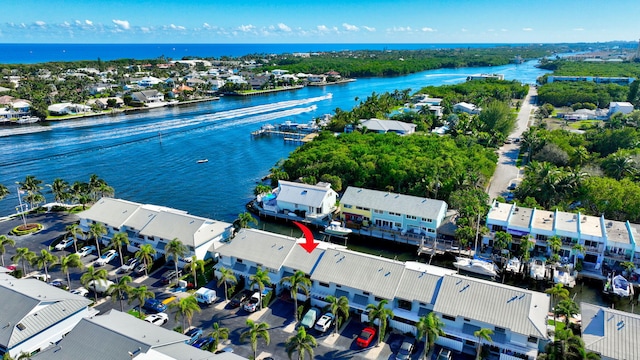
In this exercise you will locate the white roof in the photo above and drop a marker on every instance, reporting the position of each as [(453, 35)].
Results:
[(611, 333), (398, 203), (111, 212), (387, 125), (302, 194)]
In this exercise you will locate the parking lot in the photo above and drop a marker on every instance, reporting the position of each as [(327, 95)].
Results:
[(279, 315)]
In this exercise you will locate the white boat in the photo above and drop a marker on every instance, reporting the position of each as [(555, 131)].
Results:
[(537, 269), (202, 161), (618, 285), (336, 228), (27, 120), (563, 276), (513, 265), (477, 266)]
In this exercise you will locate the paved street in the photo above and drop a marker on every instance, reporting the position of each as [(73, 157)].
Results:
[(506, 171)]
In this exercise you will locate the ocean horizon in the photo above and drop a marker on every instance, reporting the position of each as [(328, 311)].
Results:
[(28, 53)]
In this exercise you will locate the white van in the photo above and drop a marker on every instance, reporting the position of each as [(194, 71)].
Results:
[(206, 296)]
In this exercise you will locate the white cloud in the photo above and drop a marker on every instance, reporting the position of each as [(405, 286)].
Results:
[(370, 29), (350, 27), (206, 26), (322, 28), (40, 23), (284, 27), (246, 28), (122, 23), (145, 29), (578, 29), (504, 30), (427, 29), (177, 27), (65, 24), (88, 22), (527, 29), (464, 30)]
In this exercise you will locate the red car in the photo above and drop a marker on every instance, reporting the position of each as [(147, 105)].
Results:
[(365, 337)]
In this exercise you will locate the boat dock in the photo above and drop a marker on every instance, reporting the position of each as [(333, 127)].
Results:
[(440, 247), (289, 137)]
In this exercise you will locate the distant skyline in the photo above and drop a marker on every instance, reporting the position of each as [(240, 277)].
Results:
[(329, 21)]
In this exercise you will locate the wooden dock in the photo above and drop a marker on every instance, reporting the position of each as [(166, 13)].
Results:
[(291, 137)]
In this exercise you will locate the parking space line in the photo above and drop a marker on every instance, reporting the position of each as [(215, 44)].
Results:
[(375, 351), (168, 300), (290, 328), (331, 339)]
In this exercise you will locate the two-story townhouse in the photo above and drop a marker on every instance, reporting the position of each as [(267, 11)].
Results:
[(542, 227), (566, 225), (388, 211), (110, 212), (619, 241), (315, 203), (517, 317), (591, 236)]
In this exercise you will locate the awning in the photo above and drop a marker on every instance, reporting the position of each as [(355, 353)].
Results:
[(517, 232)]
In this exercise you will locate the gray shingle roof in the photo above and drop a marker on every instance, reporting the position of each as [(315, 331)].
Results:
[(521, 311), (113, 212), (34, 305), (609, 332), (376, 275), (303, 194), (398, 203)]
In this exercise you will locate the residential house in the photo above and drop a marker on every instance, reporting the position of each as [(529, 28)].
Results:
[(156, 225), (613, 334), (387, 126), (68, 109), (193, 82), (35, 314), (366, 210), (317, 78), (13, 108), (620, 107), (315, 203), (595, 79), (118, 336), (103, 103), (485, 77), (466, 108), (148, 97), (148, 81)]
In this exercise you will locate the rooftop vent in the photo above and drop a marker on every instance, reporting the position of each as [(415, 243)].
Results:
[(304, 192)]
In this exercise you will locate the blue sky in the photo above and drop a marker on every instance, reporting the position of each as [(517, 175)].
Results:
[(327, 21)]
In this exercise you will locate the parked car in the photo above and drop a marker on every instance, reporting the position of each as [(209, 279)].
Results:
[(140, 269), (206, 296), (512, 186), (170, 276), (86, 250), (154, 305), (65, 243), (203, 342), (80, 291), (324, 323), (407, 347), (444, 354), (224, 350), (509, 196), (309, 318), (239, 298), (366, 336), (157, 319), (251, 305), (194, 334), (59, 283), (40, 276), (129, 265), (106, 258)]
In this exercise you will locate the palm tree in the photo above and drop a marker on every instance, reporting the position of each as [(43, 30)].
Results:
[(526, 245), (217, 334), (69, 262), (117, 241), (74, 230), (141, 293), (338, 306), (297, 282), (244, 219), (382, 314), (226, 276), (255, 331), (301, 342), (96, 230), (555, 244), (145, 254), (558, 293), (482, 334), (95, 275), (32, 187), (502, 240), (430, 327), (121, 290), (175, 249), (59, 189), (4, 191), (44, 260), (185, 309), (568, 308), (23, 254), (194, 266), (628, 266), (260, 278), (4, 242)]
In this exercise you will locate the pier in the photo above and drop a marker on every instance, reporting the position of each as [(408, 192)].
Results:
[(289, 137)]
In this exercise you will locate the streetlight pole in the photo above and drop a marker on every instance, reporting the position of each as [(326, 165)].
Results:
[(21, 207)]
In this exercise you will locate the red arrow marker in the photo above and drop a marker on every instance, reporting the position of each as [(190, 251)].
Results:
[(309, 244)]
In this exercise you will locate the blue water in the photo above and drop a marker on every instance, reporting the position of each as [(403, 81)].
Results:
[(151, 157), (39, 53)]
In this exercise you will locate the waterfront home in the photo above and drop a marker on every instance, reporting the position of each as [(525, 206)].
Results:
[(485, 77), (412, 289), (13, 108), (156, 225), (318, 79), (466, 108), (148, 97), (68, 109), (314, 203), (103, 103), (387, 126), (376, 213), (35, 314), (620, 107), (117, 335), (595, 79), (613, 334)]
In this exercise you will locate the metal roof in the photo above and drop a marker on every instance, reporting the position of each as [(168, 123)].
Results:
[(191, 230), (378, 125), (141, 218), (521, 311), (31, 306), (303, 194), (300, 259), (373, 274), (261, 247), (110, 211), (611, 333), (418, 285), (398, 203)]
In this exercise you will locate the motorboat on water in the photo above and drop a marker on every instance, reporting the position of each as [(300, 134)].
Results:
[(478, 266), (513, 265), (27, 120), (563, 275), (537, 269), (202, 161), (618, 285), (336, 228)]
